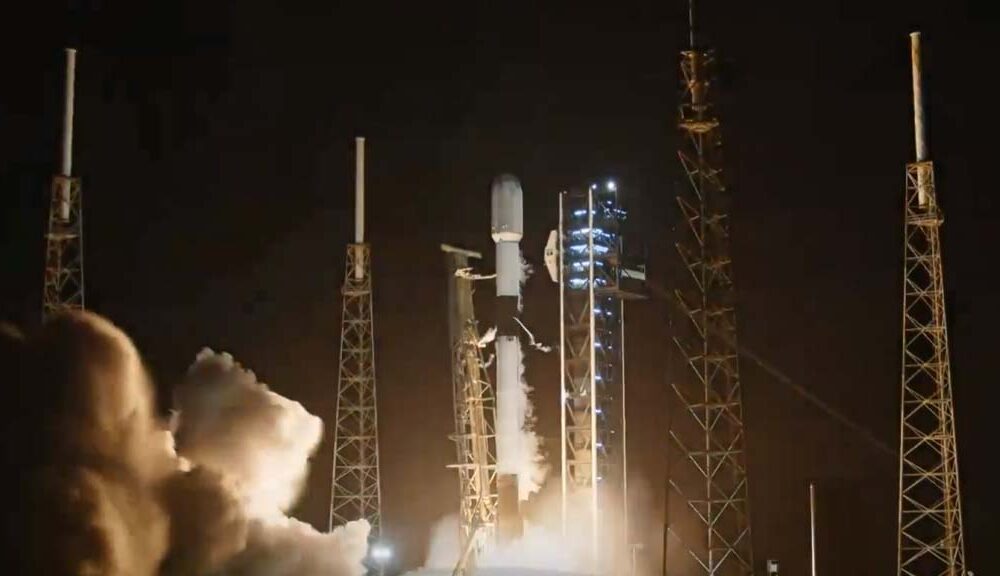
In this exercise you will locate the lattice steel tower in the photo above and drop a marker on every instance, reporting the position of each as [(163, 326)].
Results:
[(355, 491), (930, 516), (708, 517), (593, 457), (475, 415), (63, 284)]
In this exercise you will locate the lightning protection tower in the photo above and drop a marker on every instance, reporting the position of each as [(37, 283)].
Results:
[(355, 491), (930, 539), (708, 512), (475, 415), (592, 362), (63, 283)]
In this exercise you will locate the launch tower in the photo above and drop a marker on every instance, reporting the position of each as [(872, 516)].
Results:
[(708, 514), (355, 491), (930, 539), (475, 415), (593, 459), (63, 284)]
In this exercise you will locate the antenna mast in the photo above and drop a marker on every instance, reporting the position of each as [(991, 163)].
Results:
[(930, 541), (63, 284), (812, 528), (708, 497), (355, 490)]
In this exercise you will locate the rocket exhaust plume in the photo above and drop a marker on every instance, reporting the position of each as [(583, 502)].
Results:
[(543, 549), (103, 490)]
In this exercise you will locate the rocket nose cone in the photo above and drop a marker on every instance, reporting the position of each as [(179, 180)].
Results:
[(506, 184), (507, 221)]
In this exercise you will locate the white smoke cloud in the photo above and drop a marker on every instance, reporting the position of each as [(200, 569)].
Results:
[(488, 337), (542, 548), (107, 493), (262, 441), (230, 422), (531, 338), (531, 466), (289, 547)]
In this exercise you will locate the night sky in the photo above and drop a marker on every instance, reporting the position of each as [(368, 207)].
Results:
[(215, 145)]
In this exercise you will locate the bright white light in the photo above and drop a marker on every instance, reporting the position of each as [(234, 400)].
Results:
[(612, 186), (381, 553)]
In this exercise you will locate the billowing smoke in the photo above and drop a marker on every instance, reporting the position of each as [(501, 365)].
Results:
[(541, 549), (261, 441), (531, 467), (228, 421), (107, 494)]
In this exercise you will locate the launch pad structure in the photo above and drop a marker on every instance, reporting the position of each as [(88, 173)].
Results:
[(592, 367), (707, 510), (355, 488), (930, 538), (475, 416), (63, 282)]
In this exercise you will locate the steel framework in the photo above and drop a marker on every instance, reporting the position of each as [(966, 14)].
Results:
[(62, 287), (930, 540), (707, 492), (355, 491), (592, 369), (475, 413), (63, 284)]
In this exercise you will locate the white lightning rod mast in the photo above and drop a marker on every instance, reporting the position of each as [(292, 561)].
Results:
[(812, 527), (66, 167), (359, 201), (66, 161), (919, 132), (918, 98)]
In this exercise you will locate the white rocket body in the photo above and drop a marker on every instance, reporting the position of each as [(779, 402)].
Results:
[(507, 228)]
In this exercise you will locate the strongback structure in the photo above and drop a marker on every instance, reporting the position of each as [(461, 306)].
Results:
[(63, 283), (708, 518), (593, 459), (930, 539), (355, 491), (475, 414)]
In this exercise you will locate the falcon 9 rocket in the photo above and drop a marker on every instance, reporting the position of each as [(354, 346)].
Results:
[(507, 227)]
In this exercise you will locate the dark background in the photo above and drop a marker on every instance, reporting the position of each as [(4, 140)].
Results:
[(215, 144)]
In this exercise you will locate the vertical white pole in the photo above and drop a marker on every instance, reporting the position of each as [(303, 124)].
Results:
[(919, 134), (621, 352), (918, 98), (66, 161), (66, 166), (812, 526), (594, 406), (359, 190), (562, 370), (359, 205)]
